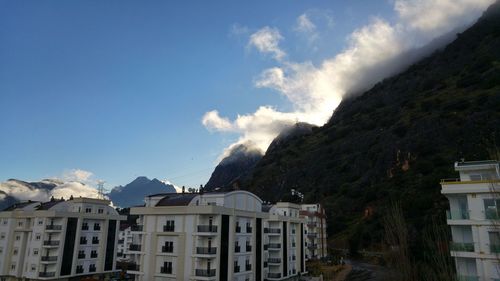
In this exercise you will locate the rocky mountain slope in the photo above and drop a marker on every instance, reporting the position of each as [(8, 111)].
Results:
[(133, 193), (396, 141)]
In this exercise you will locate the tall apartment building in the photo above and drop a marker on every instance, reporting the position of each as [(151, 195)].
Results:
[(474, 219), (124, 241), (57, 240), (216, 236), (316, 238)]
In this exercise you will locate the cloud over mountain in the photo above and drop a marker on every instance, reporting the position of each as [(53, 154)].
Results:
[(374, 52)]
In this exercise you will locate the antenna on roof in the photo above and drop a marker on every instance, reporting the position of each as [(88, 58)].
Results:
[(100, 189)]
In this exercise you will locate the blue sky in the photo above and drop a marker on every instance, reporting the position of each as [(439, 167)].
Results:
[(119, 88)]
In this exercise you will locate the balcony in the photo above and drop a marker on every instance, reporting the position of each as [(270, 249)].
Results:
[(272, 230), (457, 215), (491, 214), (237, 249), (462, 247), (467, 278), (248, 267), (92, 269), (236, 268), (293, 245), (134, 267), (85, 227), (248, 248), (135, 247), (49, 258), (274, 246), (274, 260), (206, 251), (205, 272), (47, 274), (136, 228), (238, 229), (93, 256), (274, 275), (51, 243), (95, 241), (53, 227), (166, 270), (249, 229), (495, 248), (168, 228), (167, 249), (79, 270), (97, 228), (207, 228), (83, 241)]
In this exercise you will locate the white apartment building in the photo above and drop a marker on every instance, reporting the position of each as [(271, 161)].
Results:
[(124, 241), (316, 238), (215, 236), (474, 219), (58, 240)]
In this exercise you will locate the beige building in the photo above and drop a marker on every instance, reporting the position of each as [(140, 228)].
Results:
[(58, 240), (316, 238), (216, 236), (474, 219)]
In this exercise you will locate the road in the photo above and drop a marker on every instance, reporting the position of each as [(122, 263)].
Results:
[(362, 271)]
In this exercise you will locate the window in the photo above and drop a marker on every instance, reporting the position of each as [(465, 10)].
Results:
[(93, 254), (79, 269), (97, 226), (35, 252), (18, 237), (491, 207), (168, 248), (169, 226), (40, 222), (13, 267), (33, 267), (20, 223), (166, 268), (81, 254), (88, 210), (5, 221), (1, 250), (15, 252), (100, 211), (38, 236)]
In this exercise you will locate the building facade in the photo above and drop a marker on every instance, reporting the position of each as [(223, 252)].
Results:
[(316, 238), (474, 219), (215, 236), (58, 240)]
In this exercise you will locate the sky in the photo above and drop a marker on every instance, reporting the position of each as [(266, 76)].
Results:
[(163, 89)]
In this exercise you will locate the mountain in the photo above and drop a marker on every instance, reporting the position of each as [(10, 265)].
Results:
[(233, 167), (13, 187), (396, 141), (133, 193)]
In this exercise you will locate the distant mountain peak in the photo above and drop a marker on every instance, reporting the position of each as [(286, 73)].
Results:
[(133, 193)]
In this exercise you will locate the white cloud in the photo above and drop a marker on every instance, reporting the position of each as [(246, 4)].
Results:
[(177, 188), (213, 121), (266, 40), (304, 24), (74, 182), (238, 29), (375, 51)]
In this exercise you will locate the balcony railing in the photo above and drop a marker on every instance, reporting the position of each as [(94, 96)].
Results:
[(272, 230), (97, 228), (238, 229), (274, 260), (491, 214), (92, 269), (274, 275), (136, 227), (165, 249), (47, 274), (495, 248), (85, 227), (134, 247), (134, 267), (467, 278), (95, 241), (51, 243), (53, 227), (168, 228), (236, 268), (237, 249), (206, 251), (248, 267), (274, 245), (93, 256), (205, 272), (248, 248), (79, 270), (83, 241), (207, 228), (49, 258), (166, 270), (457, 215), (249, 229), (462, 247)]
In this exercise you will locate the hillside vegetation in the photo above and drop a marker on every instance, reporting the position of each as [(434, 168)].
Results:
[(396, 141)]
